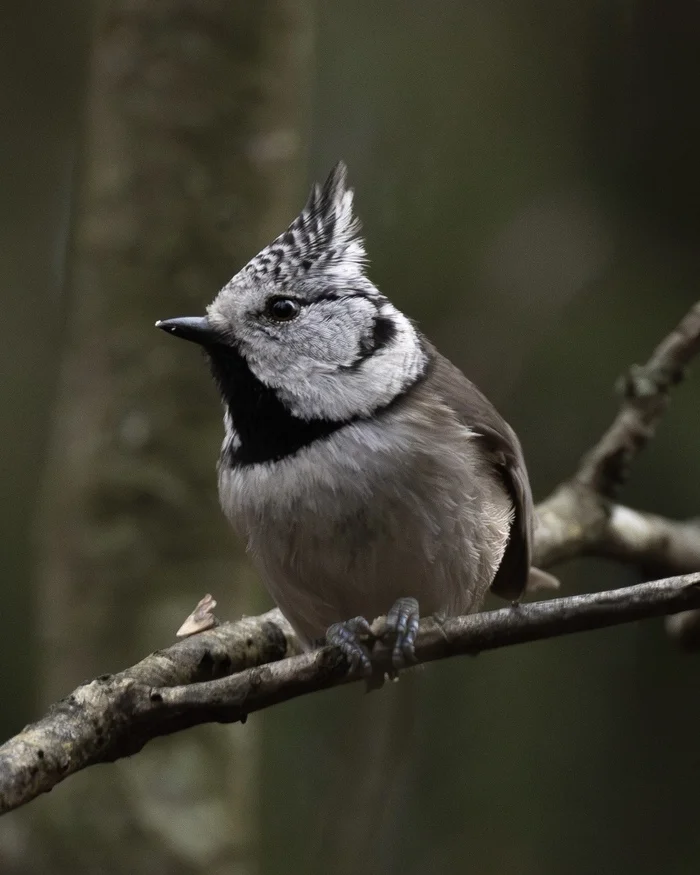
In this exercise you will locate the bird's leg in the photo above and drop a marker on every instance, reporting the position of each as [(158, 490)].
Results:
[(346, 636), (402, 622)]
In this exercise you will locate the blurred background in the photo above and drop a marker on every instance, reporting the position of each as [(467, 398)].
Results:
[(527, 174)]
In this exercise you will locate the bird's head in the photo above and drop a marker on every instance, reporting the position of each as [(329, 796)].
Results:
[(302, 325)]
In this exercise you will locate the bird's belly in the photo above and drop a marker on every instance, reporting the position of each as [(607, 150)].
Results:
[(328, 572)]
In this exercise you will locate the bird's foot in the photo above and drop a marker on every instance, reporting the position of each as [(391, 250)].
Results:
[(402, 623), (348, 637)]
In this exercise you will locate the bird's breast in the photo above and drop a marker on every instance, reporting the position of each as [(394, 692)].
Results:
[(346, 527)]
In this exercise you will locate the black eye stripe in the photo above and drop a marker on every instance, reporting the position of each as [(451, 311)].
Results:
[(384, 331), (377, 300)]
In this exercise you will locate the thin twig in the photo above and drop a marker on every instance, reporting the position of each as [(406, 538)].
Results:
[(646, 392)]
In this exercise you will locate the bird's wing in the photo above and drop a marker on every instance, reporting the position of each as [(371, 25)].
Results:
[(502, 448)]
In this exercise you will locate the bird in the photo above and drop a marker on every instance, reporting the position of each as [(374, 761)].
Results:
[(366, 474)]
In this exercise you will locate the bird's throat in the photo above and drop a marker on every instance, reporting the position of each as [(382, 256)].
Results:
[(266, 430)]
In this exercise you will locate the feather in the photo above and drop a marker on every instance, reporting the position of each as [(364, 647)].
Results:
[(505, 455)]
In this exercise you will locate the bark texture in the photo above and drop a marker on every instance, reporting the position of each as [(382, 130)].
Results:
[(115, 716)]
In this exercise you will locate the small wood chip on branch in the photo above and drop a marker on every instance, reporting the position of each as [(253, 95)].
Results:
[(201, 618)]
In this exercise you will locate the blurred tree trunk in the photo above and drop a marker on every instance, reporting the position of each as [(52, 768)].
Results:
[(42, 71), (194, 139)]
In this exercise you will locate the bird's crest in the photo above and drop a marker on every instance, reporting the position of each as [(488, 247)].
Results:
[(324, 240)]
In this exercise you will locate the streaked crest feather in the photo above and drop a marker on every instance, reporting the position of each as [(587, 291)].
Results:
[(324, 239)]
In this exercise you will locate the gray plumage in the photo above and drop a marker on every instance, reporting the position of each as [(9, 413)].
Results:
[(360, 466)]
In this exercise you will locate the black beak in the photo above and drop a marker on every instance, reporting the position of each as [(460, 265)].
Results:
[(194, 328)]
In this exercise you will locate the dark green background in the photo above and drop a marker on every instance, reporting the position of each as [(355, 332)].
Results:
[(528, 180)]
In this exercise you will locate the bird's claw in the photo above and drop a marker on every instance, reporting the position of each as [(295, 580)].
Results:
[(346, 636), (402, 622)]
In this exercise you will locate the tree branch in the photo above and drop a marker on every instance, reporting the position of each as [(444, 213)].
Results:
[(645, 389), (115, 716), (225, 673), (580, 518), (575, 521)]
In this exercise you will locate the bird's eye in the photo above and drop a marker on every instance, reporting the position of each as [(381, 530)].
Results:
[(283, 309)]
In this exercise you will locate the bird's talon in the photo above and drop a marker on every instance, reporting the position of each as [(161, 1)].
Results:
[(402, 622), (347, 637)]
